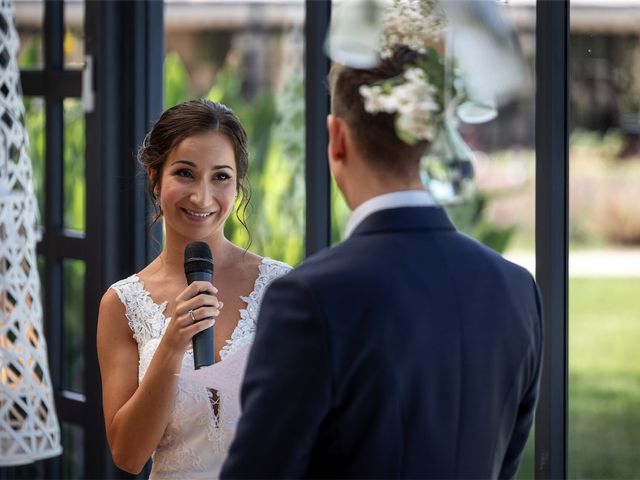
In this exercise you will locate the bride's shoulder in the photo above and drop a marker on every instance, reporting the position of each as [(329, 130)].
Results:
[(115, 300), (150, 278)]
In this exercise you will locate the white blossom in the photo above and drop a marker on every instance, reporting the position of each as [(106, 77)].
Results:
[(414, 23), (413, 100)]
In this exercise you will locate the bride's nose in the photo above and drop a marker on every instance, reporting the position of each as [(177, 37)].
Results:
[(201, 194)]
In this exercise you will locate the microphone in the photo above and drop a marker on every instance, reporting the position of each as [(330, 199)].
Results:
[(198, 266)]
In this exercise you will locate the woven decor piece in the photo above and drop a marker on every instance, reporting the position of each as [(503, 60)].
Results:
[(29, 427)]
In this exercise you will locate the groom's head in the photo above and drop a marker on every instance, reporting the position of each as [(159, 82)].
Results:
[(374, 134), (369, 138)]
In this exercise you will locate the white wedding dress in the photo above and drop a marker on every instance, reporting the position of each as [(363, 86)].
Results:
[(196, 440)]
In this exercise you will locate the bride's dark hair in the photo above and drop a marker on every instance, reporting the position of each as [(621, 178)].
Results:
[(187, 119)]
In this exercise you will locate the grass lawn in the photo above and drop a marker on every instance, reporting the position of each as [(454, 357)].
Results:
[(604, 380)]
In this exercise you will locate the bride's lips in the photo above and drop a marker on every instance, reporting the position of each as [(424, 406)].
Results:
[(196, 216)]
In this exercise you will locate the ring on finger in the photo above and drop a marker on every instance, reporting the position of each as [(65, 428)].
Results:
[(193, 318)]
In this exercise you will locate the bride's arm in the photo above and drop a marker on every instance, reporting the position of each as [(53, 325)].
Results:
[(137, 415)]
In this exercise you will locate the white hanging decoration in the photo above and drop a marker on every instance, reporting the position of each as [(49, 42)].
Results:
[(29, 428)]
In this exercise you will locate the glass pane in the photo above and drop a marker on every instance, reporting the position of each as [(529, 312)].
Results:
[(23, 472), (41, 267), (604, 226), (251, 60), (28, 21), (34, 120), (73, 451), (499, 210), (74, 165), (74, 33), (73, 272)]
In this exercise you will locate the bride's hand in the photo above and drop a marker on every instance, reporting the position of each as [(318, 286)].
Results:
[(199, 298)]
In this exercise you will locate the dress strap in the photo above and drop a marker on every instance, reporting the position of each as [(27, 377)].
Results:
[(145, 317), (244, 332)]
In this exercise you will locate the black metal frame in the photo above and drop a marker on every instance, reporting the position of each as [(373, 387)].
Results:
[(128, 71), (552, 173), (116, 242), (317, 176)]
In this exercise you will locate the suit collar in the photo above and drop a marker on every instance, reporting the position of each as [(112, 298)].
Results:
[(403, 198), (405, 219)]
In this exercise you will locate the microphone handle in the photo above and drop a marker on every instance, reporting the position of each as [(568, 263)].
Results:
[(202, 341)]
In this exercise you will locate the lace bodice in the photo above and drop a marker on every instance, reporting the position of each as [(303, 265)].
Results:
[(196, 440)]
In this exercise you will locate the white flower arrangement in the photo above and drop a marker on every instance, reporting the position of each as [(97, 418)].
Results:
[(417, 97), (414, 23), (413, 100)]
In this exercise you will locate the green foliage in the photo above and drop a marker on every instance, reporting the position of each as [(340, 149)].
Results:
[(73, 159), (34, 121), (470, 217), (257, 117), (339, 214), (176, 81), (31, 55), (74, 166)]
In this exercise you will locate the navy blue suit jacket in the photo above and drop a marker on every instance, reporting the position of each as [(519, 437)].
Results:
[(409, 350)]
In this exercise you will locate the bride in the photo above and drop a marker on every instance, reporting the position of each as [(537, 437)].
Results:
[(196, 158)]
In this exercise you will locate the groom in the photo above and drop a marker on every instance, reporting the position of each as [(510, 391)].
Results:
[(409, 350)]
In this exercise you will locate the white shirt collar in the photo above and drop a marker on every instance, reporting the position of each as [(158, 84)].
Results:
[(407, 198)]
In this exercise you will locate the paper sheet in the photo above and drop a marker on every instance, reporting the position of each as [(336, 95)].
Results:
[(224, 376)]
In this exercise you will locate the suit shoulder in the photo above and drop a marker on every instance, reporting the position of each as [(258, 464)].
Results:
[(493, 256), (336, 259)]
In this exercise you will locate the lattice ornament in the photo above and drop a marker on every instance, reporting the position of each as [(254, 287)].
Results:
[(29, 427)]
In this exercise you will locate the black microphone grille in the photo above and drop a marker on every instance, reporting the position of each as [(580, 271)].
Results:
[(197, 257)]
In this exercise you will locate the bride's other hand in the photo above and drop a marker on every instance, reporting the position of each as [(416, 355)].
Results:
[(199, 298)]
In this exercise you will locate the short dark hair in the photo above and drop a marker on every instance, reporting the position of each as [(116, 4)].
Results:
[(191, 118), (374, 132)]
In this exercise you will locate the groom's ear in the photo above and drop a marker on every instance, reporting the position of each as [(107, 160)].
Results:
[(336, 128)]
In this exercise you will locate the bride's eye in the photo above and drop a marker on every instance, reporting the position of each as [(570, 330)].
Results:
[(221, 176), (184, 172)]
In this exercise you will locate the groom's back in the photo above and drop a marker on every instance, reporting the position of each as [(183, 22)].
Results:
[(434, 350)]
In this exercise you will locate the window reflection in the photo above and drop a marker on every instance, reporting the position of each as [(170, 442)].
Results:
[(73, 272), (28, 21), (73, 459), (73, 45), (249, 56), (74, 166), (604, 226)]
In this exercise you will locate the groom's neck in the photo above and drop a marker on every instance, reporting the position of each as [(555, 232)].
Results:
[(375, 183)]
